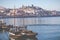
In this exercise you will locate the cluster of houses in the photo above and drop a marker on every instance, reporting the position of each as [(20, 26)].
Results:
[(27, 11)]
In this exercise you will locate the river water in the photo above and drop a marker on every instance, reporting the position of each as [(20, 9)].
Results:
[(48, 28)]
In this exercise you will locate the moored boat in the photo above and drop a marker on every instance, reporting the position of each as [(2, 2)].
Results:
[(3, 26), (23, 33)]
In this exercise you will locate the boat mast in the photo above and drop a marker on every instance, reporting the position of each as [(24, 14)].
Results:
[(14, 18), (14, 14)]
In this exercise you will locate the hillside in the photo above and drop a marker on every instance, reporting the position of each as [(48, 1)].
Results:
[(27, 11)]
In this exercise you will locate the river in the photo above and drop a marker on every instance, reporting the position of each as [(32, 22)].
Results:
[(48, 28)]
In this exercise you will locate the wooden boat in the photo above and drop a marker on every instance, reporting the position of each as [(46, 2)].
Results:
[(23, 34), (3, 26)]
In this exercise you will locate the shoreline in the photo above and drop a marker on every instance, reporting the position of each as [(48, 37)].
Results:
[(26, 16)]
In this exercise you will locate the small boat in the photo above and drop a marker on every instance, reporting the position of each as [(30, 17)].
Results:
[(3, 26), (23, 33)]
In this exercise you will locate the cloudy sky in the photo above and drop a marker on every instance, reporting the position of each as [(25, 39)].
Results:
[(45, 4)]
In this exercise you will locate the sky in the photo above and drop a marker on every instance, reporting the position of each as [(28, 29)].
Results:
[(45, 4)]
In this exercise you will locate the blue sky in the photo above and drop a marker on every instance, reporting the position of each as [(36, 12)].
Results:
[(45, 4)]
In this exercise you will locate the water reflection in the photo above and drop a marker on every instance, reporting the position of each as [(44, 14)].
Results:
[(25, 39), (4, 35), (29, 21)]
